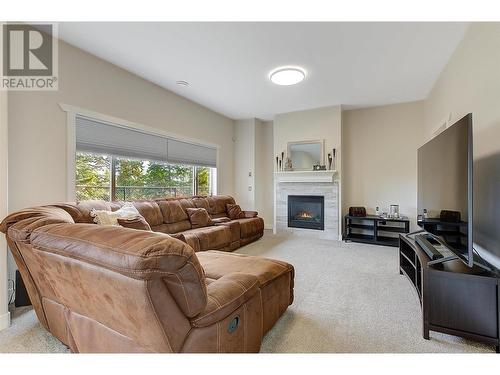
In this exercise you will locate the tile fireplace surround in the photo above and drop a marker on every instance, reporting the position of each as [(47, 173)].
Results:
[(307, 183)]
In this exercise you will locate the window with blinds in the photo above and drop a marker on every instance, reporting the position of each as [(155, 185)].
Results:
[(102, 138), (120, 163)]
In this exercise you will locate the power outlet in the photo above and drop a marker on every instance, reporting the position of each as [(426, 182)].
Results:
[(10, 291)]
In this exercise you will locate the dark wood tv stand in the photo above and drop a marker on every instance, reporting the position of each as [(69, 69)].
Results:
[(376, 229), (455, 299)]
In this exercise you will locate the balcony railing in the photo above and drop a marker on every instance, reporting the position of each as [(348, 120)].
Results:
[(127, 193)]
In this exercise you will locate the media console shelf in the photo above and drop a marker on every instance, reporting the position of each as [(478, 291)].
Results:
[(374, 229), (455, 299)]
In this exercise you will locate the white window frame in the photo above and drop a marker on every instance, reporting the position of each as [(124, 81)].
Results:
[(72, 112)]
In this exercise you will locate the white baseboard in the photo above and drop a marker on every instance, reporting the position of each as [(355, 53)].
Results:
[(268, 227), (4, 320)]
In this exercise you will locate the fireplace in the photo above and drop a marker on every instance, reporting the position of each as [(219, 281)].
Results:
[(306, 211)]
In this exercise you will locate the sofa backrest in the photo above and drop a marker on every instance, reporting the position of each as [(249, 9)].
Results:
[(99, 287), (151, 212), (217, 205), (174, 210), (166, 215), (80, 212), (175, 218)]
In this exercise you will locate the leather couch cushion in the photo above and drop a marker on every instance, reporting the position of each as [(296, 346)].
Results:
[(219, 220), (172, 211), (217, 204), (201, 202), (217, 264), (135, 223), (186, 203), (173, 228), (234, 211), (251, 226), (235, 228), (199, 217), (250, 213), (192, 240), (219, 216), (150, 211), (214, 237), (225, 295)]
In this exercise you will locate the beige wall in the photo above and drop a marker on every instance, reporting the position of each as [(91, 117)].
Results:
[(320, 123), (264, 172), (471, 83), (253, 141), (4, 314), (380, 157), (244, 163), (37, 125)]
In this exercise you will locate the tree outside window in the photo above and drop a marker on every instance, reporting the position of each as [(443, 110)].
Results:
[(113, 178), (93, 176)]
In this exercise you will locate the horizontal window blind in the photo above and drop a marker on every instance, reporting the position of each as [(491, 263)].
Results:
[(103, 138), (180, 152)]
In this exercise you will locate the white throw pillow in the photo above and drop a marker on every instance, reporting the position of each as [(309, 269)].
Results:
[(103, 217)]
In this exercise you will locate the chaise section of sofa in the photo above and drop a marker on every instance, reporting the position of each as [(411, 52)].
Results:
[(113, 289), (275, 278)]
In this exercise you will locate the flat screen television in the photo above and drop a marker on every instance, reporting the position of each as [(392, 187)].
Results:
[(445, 184)]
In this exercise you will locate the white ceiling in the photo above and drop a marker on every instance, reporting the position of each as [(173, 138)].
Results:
[(227, 64)]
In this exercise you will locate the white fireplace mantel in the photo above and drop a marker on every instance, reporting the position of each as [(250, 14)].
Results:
[(305, 176), (325, 183)]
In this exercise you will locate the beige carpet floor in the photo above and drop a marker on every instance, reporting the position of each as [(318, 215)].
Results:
[(349, 298)]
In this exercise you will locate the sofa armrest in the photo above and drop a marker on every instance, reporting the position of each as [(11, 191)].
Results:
[(250, 214), (225, 295)]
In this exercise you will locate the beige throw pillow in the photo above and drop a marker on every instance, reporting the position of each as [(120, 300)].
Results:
[(103, 217)]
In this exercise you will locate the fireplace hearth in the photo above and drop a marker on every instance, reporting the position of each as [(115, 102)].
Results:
[(306, 211)]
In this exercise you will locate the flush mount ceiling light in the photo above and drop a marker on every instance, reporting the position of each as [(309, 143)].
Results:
[(183, 83), (287, 75)]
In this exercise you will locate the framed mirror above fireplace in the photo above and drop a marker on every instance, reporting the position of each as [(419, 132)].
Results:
[(305, 154), (306, 211)]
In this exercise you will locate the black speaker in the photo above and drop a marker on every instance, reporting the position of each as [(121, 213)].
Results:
[(22, 298)]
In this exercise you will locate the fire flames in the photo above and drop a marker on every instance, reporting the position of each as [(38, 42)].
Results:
[(305, 215)]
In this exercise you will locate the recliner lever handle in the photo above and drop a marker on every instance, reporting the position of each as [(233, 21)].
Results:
[(233, 324)]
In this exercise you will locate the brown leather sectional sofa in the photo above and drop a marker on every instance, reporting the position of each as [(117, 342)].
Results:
[(113, 289)]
